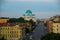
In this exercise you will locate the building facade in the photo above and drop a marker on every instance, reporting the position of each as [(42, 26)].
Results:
[(3, 20), (11, 32), (54, 24), (56, 27)]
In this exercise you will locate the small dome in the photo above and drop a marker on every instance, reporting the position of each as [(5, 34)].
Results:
[(29, 12), (33, 14), (23, 14)]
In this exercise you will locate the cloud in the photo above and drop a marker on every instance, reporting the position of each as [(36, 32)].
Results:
[(32, 0)]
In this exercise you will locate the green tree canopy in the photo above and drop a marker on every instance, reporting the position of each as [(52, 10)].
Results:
[(12, 20), (16, 20), (51, 36), (2, 38), (21, 20), (33, 24)]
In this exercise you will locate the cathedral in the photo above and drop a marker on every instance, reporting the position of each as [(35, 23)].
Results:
[(28, 16)]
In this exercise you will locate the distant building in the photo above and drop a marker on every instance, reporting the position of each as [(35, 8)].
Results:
[(44, 20), (28, 16), (54, 24), (11, 32), (3, 20)]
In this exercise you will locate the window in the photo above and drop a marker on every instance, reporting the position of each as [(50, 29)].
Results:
[(57, 25), (28, 17), (0, 28), (10, 32), (57, 29)]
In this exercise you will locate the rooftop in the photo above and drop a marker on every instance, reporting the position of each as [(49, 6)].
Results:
[(29, 12)]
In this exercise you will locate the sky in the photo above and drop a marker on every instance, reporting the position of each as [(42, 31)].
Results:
[(41, 8)]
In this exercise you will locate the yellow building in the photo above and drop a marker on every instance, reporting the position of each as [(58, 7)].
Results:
[(56, 27), (54, 24), (11, 32)]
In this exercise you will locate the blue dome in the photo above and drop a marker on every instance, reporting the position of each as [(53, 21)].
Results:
[(29, 12)]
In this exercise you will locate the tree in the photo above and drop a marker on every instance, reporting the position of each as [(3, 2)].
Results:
[(13, 20), (27, 30), (21, 20), (2, 38), (33, 24), (51, 36)]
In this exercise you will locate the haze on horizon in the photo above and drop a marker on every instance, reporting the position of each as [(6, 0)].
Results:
[(41, 8)]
